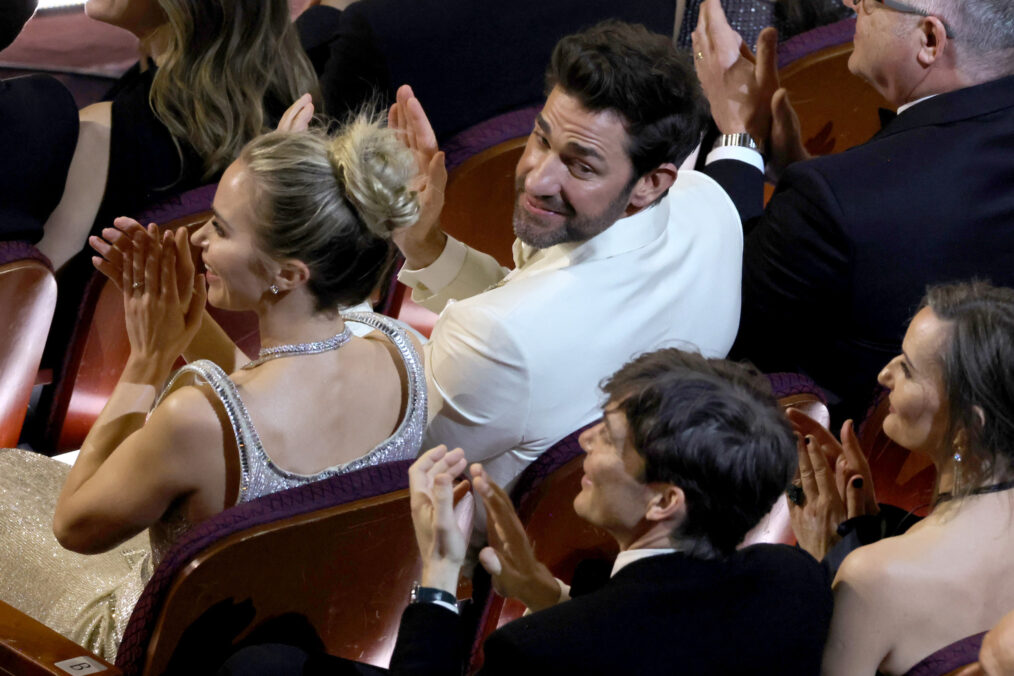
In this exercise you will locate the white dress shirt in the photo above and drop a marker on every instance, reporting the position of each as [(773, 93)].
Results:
[(515, 364)]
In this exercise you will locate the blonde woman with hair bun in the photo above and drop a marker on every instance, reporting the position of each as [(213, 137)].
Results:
[(216, 73), (301, 230)]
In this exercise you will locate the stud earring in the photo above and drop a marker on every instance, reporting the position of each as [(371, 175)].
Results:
[(959, 449), (273, 289)]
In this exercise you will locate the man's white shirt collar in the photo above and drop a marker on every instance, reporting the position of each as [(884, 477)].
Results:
[(624, 559), (905, 106)]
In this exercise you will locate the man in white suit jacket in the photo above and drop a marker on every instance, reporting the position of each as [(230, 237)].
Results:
[(616, 255)]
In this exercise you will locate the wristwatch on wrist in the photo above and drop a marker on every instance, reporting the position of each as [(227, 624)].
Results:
[(422, 594), (742, 139)]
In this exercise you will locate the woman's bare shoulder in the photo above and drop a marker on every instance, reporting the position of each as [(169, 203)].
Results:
[(187, 413), (886, 568), (100, 113)]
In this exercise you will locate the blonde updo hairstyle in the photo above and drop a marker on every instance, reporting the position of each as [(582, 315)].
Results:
[(332, 203)]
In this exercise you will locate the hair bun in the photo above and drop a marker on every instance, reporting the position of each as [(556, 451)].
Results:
[(376, 168)]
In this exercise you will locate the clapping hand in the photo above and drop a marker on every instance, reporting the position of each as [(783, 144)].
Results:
[(738, 85), (115, 241), (509, 558), (423, 242), (836, 483), (785, 144), (160, 324), (297, 117), (442, 542)]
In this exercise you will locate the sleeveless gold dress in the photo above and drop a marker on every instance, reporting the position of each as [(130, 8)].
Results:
[(89, 598)]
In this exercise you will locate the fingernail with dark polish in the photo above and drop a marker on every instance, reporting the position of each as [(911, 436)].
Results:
[(857, 482)]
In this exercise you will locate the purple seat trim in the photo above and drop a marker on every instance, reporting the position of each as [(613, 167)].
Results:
[(814, 40), (338, 490), (788, 384), (950, 657), (182, 204), (19, 251), (475, 139), (554, 457)]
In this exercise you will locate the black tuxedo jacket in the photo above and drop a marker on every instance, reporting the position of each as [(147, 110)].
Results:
[(836, 265), (467, 60), (765, 610), (38, 134)]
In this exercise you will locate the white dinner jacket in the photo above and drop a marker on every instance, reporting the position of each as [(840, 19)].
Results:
[(514, 368)]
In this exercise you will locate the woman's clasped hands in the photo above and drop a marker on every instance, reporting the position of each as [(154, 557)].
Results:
[(834, 483), (163, 300)]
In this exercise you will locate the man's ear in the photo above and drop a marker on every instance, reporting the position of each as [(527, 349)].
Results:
[(668, 504), (292, 274), (651, 186), (933, 41)]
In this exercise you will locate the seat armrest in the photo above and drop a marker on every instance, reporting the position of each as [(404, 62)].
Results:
[(31, 648)]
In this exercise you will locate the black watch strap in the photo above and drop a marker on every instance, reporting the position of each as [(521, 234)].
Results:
[(422, 594)]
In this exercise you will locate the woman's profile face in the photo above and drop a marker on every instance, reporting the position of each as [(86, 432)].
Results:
[(140, 17), (918, 413), (237, 271)]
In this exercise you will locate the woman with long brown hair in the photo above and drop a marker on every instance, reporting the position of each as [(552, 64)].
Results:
[(215, 74), (920, 602)]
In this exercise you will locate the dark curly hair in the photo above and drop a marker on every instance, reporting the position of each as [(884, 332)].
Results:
[(640, 75), (712, 428)]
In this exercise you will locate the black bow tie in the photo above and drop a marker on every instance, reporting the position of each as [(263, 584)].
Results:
[(886, 115)]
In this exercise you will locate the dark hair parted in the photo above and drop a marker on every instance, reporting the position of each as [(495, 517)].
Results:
[(978, 373), (640, 75), (332, 202), (712, 428)]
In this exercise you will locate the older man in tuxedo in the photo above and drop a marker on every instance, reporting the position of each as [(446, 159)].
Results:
[(835, 265)]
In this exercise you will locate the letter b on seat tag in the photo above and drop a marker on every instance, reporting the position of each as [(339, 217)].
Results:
[(80, 665)]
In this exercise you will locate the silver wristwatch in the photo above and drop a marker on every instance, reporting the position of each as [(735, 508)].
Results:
[(741, 139)]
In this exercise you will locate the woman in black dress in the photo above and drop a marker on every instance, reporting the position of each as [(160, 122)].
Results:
[(38, 131), (216, 74)]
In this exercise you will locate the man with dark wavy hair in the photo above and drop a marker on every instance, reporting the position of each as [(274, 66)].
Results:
[(617, 252), (689, 455)]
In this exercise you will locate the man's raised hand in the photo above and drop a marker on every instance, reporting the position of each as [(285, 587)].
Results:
[(509, 558), (441, 541), (422, 243), (738, 85)]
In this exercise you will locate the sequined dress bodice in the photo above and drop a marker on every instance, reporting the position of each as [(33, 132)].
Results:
[(750, 17), (259, 475)]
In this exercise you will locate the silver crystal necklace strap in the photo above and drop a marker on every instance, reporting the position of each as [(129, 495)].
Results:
[(247, 439), (293, 349)]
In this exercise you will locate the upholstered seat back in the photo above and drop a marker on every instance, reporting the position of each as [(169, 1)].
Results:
[(341, 552), (27, 302)]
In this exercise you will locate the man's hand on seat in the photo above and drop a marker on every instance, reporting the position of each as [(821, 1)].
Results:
[(509, 558), (422, 243)]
